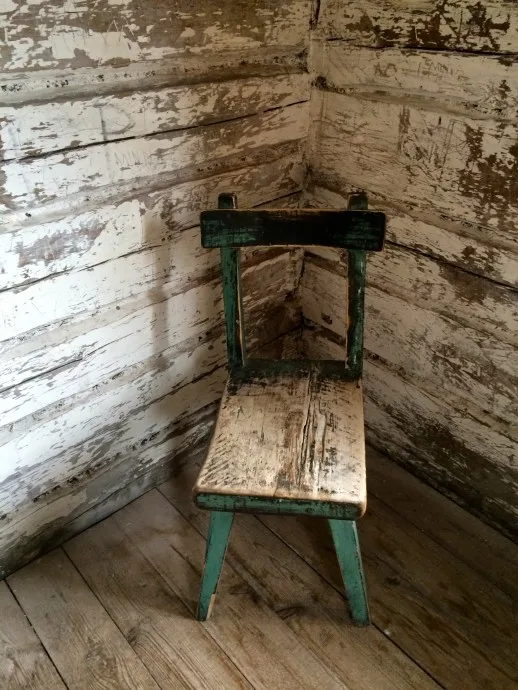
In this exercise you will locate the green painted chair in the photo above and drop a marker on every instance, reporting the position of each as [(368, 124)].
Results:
[(289, 438)]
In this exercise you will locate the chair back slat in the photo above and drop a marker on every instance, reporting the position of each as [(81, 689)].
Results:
[(360, 229), (357, 230)]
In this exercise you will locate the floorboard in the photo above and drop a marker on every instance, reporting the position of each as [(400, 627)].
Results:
[(79, 636), (445, 522), (254, 637), (23, 661), (114, 608)]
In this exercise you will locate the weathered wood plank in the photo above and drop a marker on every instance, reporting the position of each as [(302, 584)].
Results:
[(32, 131), (37, 250), (418, 279), (249, 632), (105, 167), (85, 644), (79, 469), (442, 441), (298, 438), (143, 335), (312, 609), (408, 602), (178, 651), (451, 25), (444, 522), (23, 661), (462, 244), (77, 35), (43, 85), (41, 453), (426, 345), (408, 154), (480, 86), (72, 507)]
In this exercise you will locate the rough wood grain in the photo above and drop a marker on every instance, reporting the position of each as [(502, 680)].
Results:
[(86, 645), (254, 637), (40, 249), (415, 617), (177, 651), (411, 154), (442, 438), (41, 86), (361, 659), (447, 25), (289, 437), (74, 35), (147, 334), (431, 347), (465, 245), (74, 506), (443, 442), (23, 661), (32, 131), (480, 86), (105, 167)]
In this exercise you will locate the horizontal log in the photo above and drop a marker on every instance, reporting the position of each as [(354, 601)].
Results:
[(76, 34), (433, 350), (418, 279), (144, 339), (104, 167), (32, 131), (462, 25), (412, 155), (44, 85), (73, 507), (444, 445), (462, 244), (39, 250), (480, 86)]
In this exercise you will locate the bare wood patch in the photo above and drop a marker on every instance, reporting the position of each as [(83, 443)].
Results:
[(451, 25), (52, 37), (480, 86), (466, 166), (49, 127)]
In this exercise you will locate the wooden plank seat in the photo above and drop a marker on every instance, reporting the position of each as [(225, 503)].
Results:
[(304, 444), (289, 438)]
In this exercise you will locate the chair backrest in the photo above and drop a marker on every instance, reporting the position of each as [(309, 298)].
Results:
[(355, 229)]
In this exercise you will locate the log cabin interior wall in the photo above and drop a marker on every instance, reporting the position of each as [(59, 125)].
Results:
[(416, 102), (119, 121)]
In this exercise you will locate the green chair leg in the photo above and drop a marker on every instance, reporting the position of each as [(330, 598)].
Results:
[(217, 540), (345, 537)]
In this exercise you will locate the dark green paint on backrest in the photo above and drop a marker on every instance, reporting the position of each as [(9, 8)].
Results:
[(356, 229), (229, 229)]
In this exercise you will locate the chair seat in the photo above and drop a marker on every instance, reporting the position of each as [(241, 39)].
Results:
[(288, 439)]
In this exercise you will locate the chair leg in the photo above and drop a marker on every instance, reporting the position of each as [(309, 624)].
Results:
[(217, 540), (345, 537)]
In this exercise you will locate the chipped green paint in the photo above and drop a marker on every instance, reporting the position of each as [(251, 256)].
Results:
[(356, 267), (217, 540), (347, 546), (276, 506), (232, 294)]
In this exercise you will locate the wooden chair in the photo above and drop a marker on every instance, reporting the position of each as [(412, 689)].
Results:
[(289, 438)]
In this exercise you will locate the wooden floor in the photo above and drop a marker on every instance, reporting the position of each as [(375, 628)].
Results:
[(114, 607)]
